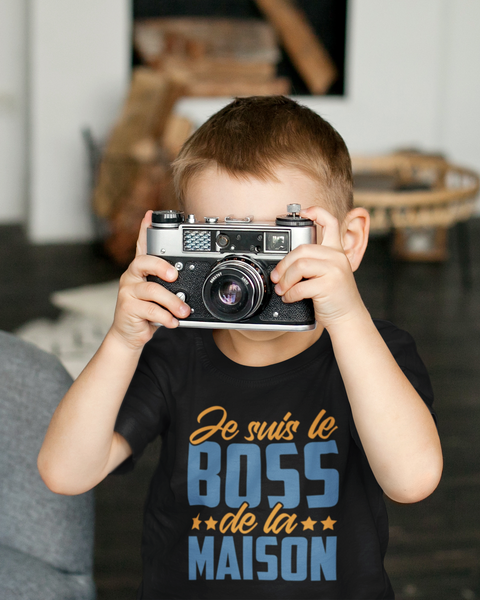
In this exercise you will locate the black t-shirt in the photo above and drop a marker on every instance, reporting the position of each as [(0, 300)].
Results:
[(262, 489)]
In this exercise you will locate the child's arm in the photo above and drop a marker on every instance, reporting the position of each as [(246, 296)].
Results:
[(396, 428), (81, 447)]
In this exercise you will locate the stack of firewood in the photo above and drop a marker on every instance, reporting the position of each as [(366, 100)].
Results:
[(191, 57), (213, 57), (134, 173), (234, 57)]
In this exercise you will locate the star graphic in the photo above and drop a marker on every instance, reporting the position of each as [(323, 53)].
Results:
[(308, 524), (196, 522), (328, 523), (211, 523)]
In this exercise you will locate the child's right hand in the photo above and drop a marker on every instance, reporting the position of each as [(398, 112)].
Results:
[(142, 304)]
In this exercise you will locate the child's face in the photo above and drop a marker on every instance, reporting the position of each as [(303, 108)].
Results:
[(214, 193)]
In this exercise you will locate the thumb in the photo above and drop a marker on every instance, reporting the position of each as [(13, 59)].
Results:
[(142, 236), (329, 226)]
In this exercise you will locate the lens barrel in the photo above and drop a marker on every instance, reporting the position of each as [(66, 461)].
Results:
[(235, 289)]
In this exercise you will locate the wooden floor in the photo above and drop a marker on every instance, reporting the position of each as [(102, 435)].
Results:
[(434, 552)]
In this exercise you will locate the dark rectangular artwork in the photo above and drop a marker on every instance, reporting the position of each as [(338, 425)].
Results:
[(328, 18)]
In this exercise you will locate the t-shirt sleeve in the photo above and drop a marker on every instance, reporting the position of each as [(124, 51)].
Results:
[(404, 350), (144, 412)]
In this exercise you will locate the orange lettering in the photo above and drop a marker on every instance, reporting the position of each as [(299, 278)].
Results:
[(291, 425), (262, 434), (275, 522), (239, 521), (202, 434), (252, 427), (274, 431), (322, 429)]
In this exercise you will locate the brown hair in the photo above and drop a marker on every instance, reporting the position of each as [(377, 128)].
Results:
[(255, 135)]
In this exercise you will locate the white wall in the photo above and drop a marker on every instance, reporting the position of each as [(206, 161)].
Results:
[(79, 65), (412, 80), (459, 124), (394, 60), (13, 77)]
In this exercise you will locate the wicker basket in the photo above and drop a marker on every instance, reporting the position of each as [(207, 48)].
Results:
[(424, 191)]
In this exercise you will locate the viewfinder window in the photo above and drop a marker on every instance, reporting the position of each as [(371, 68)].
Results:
[(277, 241)]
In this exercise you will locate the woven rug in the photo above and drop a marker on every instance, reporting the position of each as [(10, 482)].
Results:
[(87, 314)]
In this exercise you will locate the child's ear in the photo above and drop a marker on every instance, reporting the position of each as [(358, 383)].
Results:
[(355, 230)]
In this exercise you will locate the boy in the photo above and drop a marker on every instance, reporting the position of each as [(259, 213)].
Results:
[(277, 446)]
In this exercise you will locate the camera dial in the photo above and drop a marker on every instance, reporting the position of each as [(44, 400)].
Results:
[(235, 289), (293, 218), (167, 218)]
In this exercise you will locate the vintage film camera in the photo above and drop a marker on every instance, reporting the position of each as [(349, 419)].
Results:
[(224, 268)]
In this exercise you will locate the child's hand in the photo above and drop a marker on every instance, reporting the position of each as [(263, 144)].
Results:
[(321, 272), (142, 304)]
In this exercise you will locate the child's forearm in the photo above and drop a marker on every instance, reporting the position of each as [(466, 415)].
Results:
[(80, 447), (396, 428)]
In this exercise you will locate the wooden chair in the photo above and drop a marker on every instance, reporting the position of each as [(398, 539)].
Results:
[(413, 191)]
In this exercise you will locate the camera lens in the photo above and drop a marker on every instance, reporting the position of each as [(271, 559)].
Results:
[(235, 289), (230, 293)]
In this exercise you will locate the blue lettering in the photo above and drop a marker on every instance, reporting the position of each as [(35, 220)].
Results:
[(227, 562), (253, 475), (272, 572), (297, 572), (203, 559), (209, 475), (247, 557), (323, 558), (290, 477), (314, 472), (294, 559)]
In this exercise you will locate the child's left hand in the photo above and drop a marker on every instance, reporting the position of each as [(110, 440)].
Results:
[(395, 427), (321, 272)]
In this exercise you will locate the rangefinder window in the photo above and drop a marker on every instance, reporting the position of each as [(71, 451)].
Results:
[(240, 240), (197, 240), (277, 241)]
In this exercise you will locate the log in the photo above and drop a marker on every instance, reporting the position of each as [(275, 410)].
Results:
[(303, 46), (213, 57), (224, 77), (148, 106), (211, 67), (151, 189), (144, 116), (177, 131), (238, 87), (200, 38)]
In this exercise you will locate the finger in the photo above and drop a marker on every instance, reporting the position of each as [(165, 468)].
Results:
[(300, 291), (303, 251), (303, 268), (330, 226), (141, 248), (140, 310), (147, 264), (154, 293)]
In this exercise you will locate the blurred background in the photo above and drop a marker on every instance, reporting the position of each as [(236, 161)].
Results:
[(96, 98)]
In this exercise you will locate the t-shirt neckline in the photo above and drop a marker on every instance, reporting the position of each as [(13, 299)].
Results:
[(233, 369)]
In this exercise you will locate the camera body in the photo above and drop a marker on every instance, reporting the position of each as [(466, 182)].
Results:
[(224, 268)]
